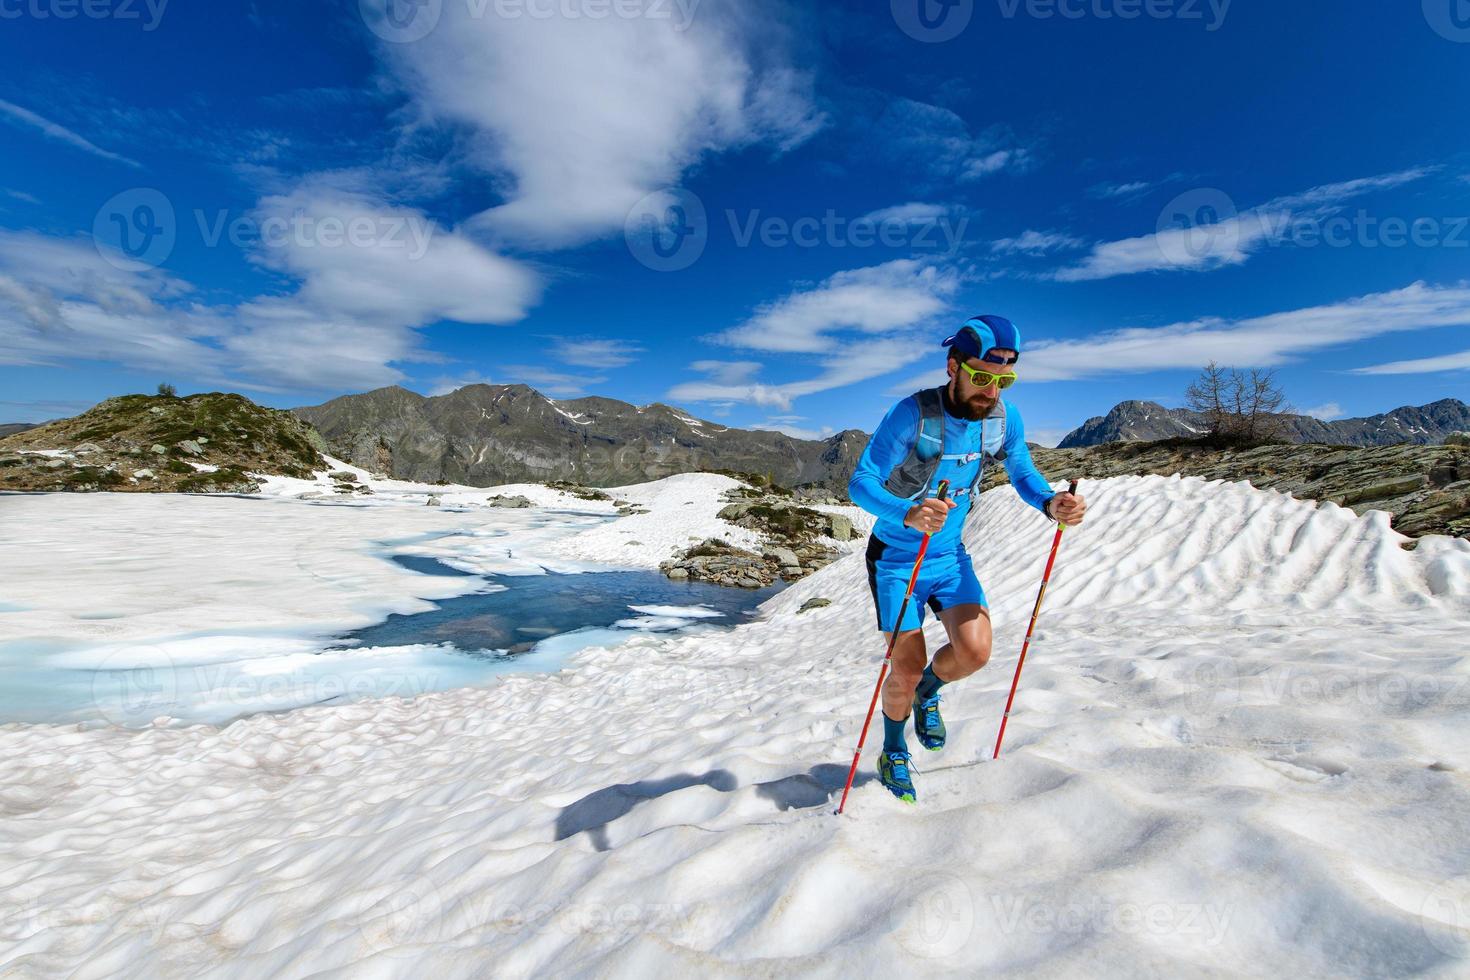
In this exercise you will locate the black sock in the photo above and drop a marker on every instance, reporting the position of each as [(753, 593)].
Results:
[(893, 740), (929, 684)]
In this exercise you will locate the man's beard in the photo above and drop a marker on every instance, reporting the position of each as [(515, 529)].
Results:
[(975, 408)]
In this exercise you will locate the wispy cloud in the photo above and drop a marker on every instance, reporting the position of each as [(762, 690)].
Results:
[(22, 196), (1264, 341), (594, 352), (860, 362), (906, 214), (1037, 243), (788, 424), (1231, 241), (1133, 188), (1421, 365), (934, 143), (60, 133)]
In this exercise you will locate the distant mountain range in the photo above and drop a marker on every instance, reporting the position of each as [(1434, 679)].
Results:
[(485, 435), (11, 428), (1136, 421)]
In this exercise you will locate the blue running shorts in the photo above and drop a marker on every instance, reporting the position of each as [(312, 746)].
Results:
[(946, 580)]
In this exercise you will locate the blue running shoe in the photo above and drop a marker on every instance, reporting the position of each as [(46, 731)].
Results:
[(893, 772), (927, 723)]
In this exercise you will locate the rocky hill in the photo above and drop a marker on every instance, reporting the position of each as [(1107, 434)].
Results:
[(485, 435), (1425, 488), (1140, 421), (202, 443)]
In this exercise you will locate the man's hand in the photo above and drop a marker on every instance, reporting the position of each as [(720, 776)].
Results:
[(1067, 508), (929, 516)]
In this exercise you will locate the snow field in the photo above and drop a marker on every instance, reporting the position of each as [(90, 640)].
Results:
[(1240, 748)]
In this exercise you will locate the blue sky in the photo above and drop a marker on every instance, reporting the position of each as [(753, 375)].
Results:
[(767, 213)]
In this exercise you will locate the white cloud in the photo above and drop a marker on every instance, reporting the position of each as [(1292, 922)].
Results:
[(560, 384), (871, 301), (594, 352), (995, 162), (787, 424), (1333, 193), (1037, 243), (580, 118), (727, 372), (1421, 365), (1327, 412), (1046, 437), (449, 385), (1130, 189), (58, 132), (849, 365), (363, 284), (1228, 242), (22, 196), (1215, 246), (906, 214), (1264, 341), (400, 268)]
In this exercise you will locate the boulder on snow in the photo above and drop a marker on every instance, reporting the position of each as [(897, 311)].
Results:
[(514, 503)]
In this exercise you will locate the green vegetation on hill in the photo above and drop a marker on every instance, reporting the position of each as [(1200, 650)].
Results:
[(197, 444)]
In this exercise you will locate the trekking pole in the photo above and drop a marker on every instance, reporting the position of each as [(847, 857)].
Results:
[(1035, 613), (888, 657)]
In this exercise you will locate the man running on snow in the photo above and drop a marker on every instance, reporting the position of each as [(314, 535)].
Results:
[(946, 433)]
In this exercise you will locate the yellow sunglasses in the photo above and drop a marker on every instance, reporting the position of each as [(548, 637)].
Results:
[(984, 379)]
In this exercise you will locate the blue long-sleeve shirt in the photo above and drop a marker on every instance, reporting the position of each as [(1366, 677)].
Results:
[(890, 446)]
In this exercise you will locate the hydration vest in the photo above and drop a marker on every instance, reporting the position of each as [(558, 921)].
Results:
[(913, 477)]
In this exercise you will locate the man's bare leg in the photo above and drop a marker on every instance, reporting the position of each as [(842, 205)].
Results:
[(969, 643), (909, 660)]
